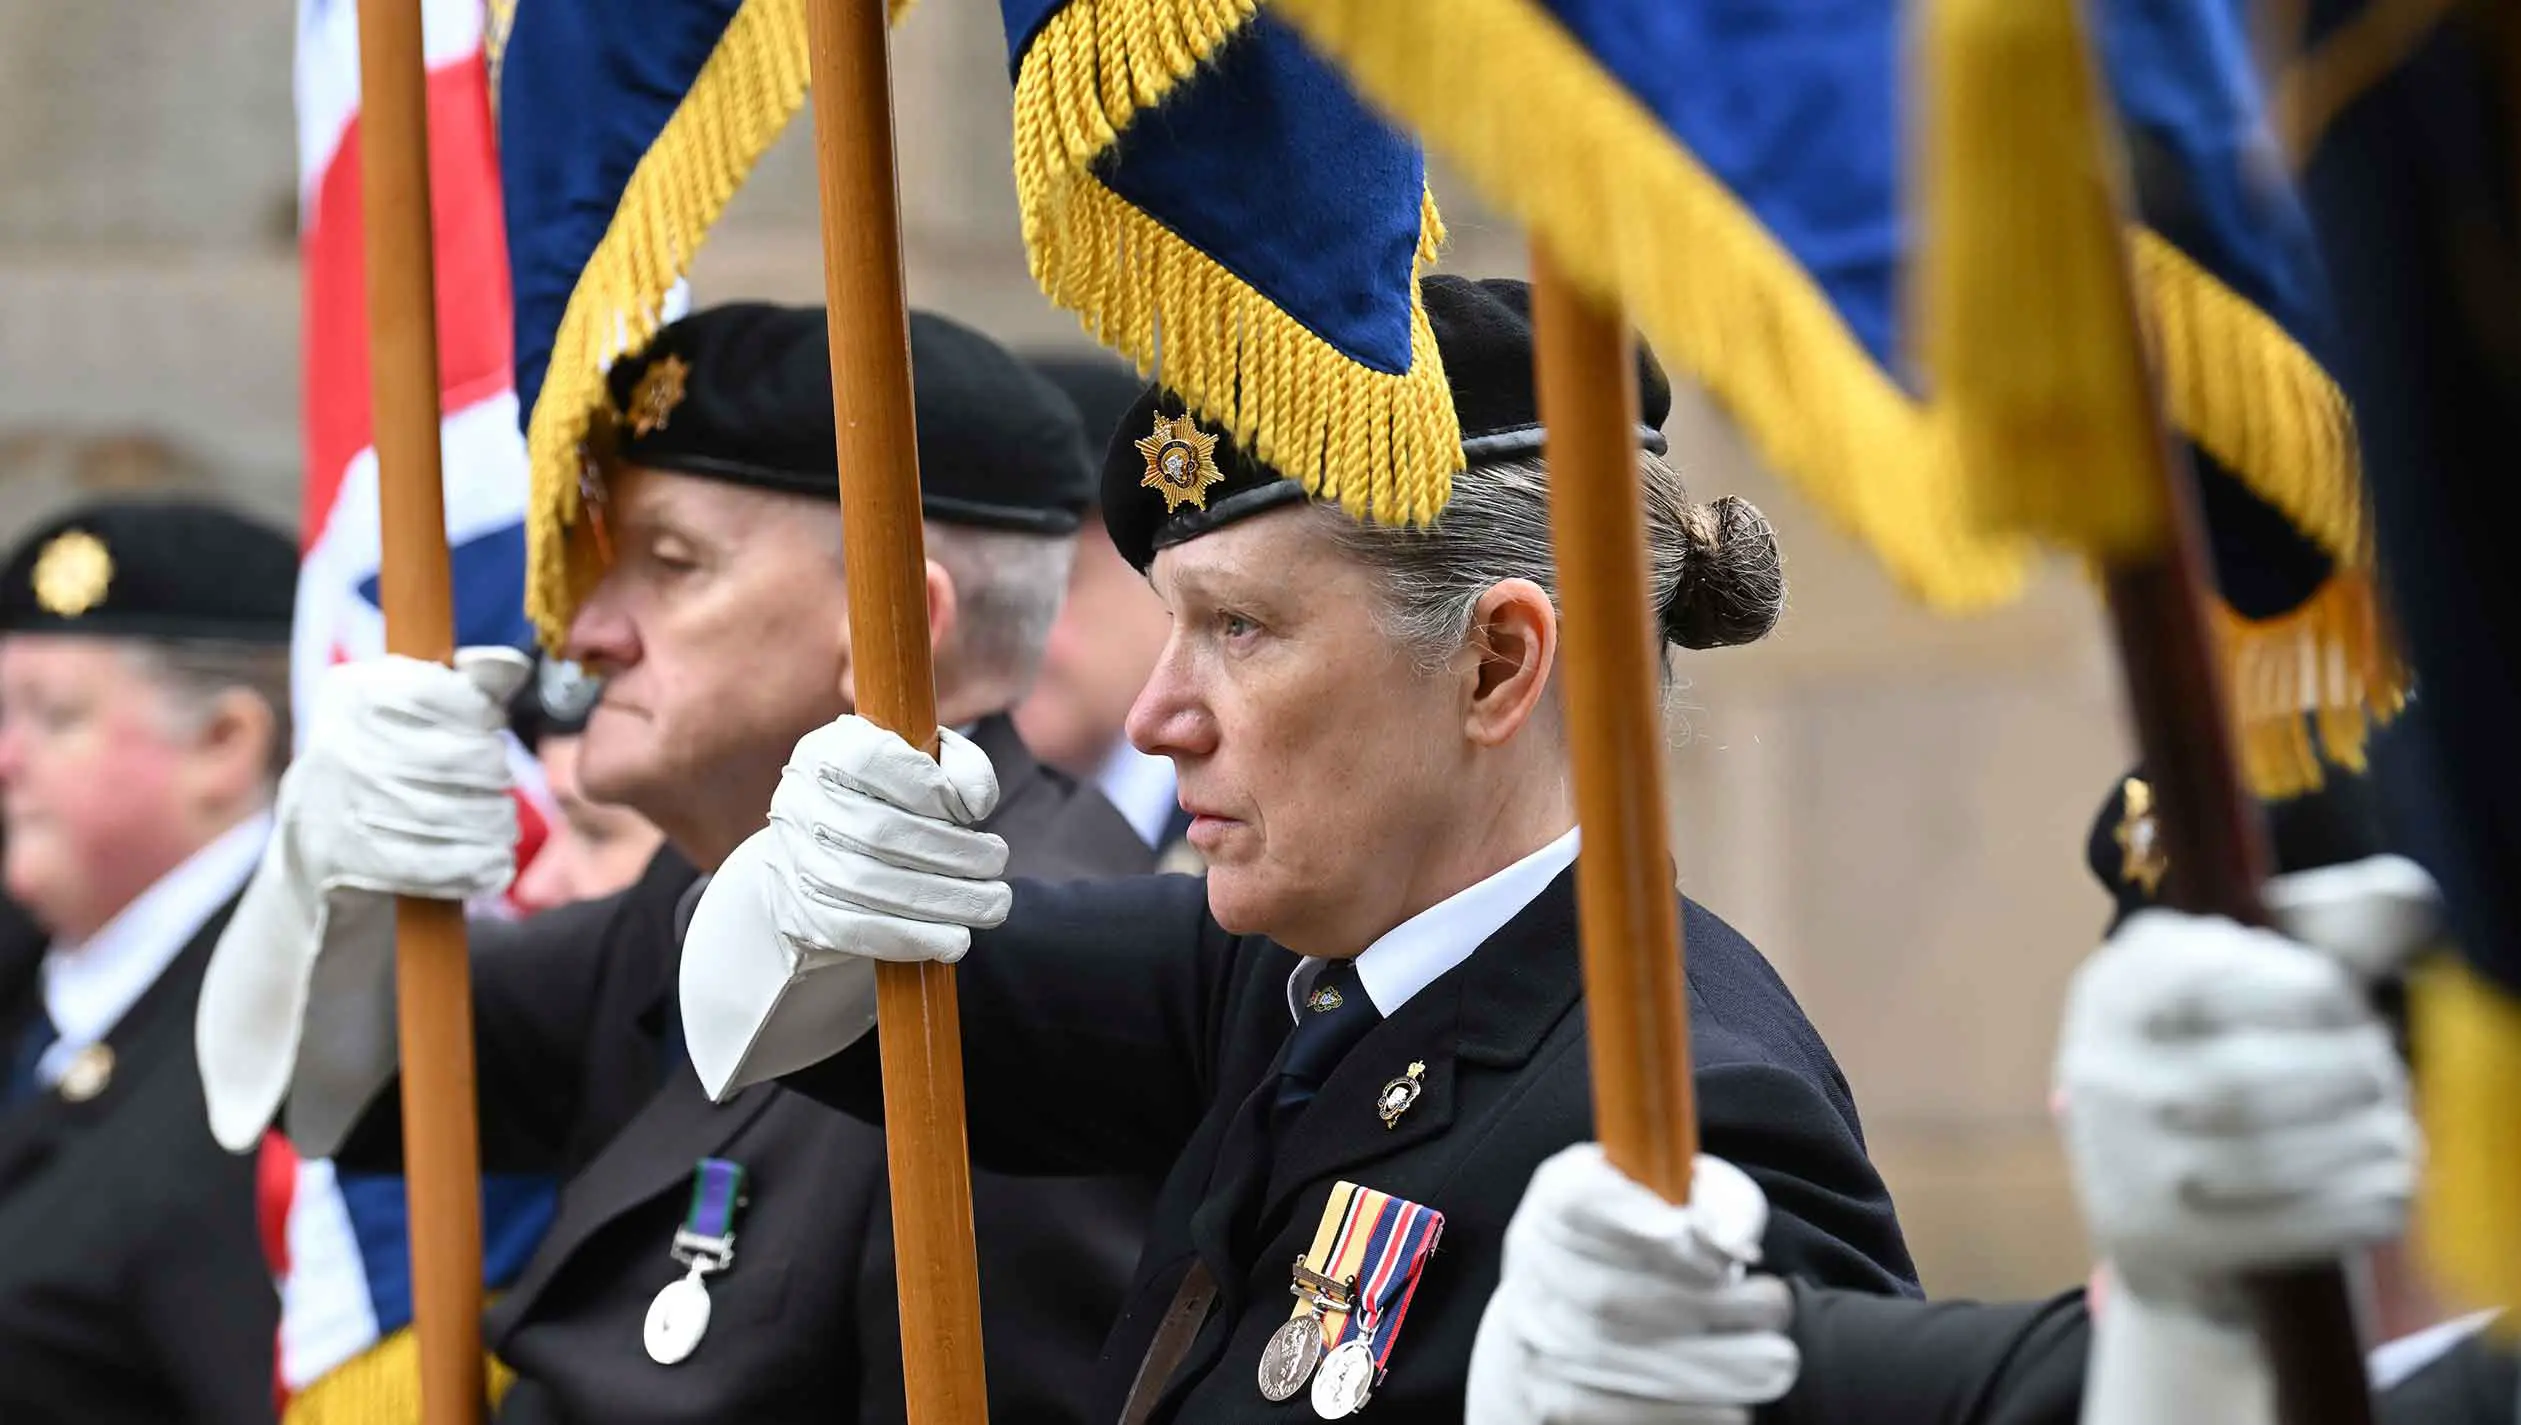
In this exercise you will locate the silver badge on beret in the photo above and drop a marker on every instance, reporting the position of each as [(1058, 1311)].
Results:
[(566, 690)]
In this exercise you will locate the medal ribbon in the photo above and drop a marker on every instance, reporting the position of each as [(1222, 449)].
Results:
[(1384, 1242), (717, 1193)]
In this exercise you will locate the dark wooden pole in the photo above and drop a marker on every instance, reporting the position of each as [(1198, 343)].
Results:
[(1636, 1013), (886, 565), (2217, 843), (433, 974)]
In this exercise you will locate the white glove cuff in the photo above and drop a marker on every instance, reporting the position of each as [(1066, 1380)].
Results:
[(2151, 1364), (755, 1005)]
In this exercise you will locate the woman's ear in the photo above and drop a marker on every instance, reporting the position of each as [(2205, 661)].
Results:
[(1514, 642), (942, 608), (232, 754)]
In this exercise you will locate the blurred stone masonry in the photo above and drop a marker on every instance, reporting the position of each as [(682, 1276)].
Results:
[(1892, 805)]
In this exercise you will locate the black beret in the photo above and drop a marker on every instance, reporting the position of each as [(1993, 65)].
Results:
[(744, 393), (1168, 478), (158, 569), (2342, 822), (1102, 387)]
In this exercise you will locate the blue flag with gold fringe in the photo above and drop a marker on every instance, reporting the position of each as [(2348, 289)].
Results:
[(1738, 176), (2403, 120), (625, 126), (1216, 204)]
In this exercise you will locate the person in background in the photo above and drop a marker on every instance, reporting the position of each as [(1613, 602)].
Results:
[(720, 629), (2232, 1100), (1105, 643), (594, 849), (144, 704)]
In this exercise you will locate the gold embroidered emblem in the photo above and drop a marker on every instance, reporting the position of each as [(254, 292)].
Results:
[(659, 391), (2142, 859), (1325, 1000), (72, 574), (1181, 462)]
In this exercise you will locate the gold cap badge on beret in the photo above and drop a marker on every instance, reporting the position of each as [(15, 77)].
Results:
[(1181, 462), (2142, 859), (659, 391), (72, 574)]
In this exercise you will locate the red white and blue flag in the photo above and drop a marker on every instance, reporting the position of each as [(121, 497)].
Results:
[(336, 1239)]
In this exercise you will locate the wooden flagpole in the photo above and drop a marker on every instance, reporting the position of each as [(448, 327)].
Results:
[(1637, 1015), (885, 561), (2219, 858), (433, 972)]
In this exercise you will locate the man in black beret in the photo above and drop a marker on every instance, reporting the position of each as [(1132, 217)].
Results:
[(144, 705), (708, 1261), (1107, 637)]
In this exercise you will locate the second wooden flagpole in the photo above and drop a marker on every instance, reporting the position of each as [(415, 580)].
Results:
[(433, 972), (884, 559), (1636, 1012)]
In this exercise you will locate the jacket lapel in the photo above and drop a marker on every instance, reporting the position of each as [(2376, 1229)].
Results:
[(158, 1025), (1491, 1011), (652, 1154), (1020, 779)]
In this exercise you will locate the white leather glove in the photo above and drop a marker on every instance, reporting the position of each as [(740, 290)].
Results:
[(869, 855), (401, 788), (2231, 1103), (1616, 1306)]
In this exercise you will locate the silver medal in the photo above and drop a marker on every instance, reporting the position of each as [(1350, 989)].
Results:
[(1345, 1381), (677, 1319), (1288, 1361)]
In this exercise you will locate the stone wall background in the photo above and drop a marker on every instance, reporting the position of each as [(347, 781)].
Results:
[(1892, 805)]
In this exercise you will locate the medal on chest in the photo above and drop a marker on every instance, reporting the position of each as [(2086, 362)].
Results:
[(705, 1244), (1352, 1289)]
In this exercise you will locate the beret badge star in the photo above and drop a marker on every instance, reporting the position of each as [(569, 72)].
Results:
[(1181, 462), (2142, 859), (72, 574), (659, 391)]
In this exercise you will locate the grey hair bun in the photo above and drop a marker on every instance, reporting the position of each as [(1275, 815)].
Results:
[(1733, 584)]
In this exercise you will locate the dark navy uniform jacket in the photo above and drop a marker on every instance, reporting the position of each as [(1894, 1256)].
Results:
[(583, 1074), (132, 1282), (1117, 1027), (1874, 1361)]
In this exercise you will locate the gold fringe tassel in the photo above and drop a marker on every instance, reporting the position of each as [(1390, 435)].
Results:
[(1384, 446), (379, 1386), (2467, 1035), (2251, 397), (1633, 217), (2307, 687), (743, 98), (2026, 313)]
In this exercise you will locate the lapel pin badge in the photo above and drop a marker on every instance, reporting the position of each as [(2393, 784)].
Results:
[(1400, 1093)]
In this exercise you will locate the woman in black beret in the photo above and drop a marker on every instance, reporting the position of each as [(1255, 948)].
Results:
[(1369, 1014)]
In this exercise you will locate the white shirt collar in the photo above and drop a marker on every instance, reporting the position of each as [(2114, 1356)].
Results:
[(89, 987), (1142, 786), (2392, 1362), (1408, 957)]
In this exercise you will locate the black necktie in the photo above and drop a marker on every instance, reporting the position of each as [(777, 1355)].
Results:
[(1330, 1022)]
